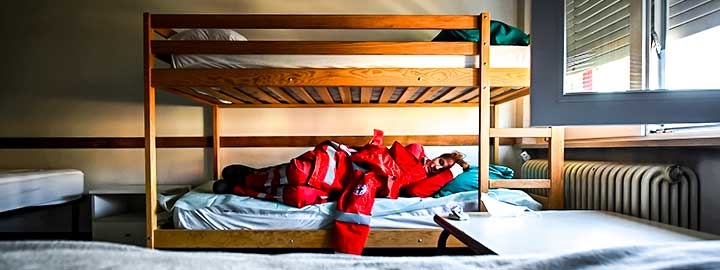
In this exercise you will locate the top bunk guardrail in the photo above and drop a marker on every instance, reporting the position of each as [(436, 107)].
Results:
[(271, 86)]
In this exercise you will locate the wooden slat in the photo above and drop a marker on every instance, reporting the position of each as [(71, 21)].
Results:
[(314, 47), (509, 76), (378, 238), (150, 133), (100, 142), (302, 94), (556, 158), (520, 132), (428, 94), (475, 99), (216, 141), (539, 198), (365, 94), (409, 92), (452, 94), (496, 143), (220, 95), (191, 96), (209, 99), (496, 91), (520, 183), (227, 141), (166, 33), (77, 142), (386, 94), (282, 94), (358, 105), (324, 94), (263, 21), (315, 76), (510, 96), (241, 95), (505, 141), (345, 95), (259, 94), (463, 97)]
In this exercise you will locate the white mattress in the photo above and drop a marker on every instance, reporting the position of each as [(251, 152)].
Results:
[(24, 188), (201, 209), (500, 57)]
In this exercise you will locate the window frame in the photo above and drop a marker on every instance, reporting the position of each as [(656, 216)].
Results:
[(550, 106)]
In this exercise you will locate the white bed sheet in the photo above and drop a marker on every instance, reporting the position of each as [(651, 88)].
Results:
[(201, 209), (500, 57), (31, 187)]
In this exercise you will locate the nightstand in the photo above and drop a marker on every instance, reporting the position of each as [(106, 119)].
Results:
[(118, 212)]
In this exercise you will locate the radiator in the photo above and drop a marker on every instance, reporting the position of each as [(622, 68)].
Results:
[(660, 192)]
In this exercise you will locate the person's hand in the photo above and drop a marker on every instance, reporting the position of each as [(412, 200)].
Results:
[(456, 170)]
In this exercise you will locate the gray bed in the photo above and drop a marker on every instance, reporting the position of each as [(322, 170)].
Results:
[(98, 255)]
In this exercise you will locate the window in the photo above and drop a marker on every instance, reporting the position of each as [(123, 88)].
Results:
[(624, 62), (691, 61), (598, 45)]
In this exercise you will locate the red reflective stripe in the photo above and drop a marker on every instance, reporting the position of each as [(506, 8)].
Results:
[(322, 168), (352, 218)]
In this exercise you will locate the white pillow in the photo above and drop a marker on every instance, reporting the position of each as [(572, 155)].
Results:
[(209, 34)]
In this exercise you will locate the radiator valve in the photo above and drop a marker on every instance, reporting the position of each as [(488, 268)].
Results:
[(525, 156)]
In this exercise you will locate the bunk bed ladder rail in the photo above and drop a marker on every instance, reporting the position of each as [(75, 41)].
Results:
[(548, 180), (660, 192)]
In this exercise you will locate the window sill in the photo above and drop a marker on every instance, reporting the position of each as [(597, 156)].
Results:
[(705, 139)]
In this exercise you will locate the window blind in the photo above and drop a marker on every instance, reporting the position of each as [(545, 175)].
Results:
[(598, 32), (687, 17)]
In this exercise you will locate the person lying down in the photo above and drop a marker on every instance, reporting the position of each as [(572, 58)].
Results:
[(352, 177)]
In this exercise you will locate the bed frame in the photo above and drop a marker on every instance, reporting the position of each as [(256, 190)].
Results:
[(480, 87)]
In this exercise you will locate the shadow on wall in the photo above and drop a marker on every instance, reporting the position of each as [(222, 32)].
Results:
[(88, 52)]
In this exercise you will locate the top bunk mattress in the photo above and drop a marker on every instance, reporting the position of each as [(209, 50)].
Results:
[(25, 188), (500, 57)]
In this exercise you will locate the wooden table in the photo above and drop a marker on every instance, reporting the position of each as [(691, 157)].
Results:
[(553, 232)]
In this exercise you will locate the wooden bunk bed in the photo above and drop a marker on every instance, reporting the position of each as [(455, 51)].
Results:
[(480, 87)]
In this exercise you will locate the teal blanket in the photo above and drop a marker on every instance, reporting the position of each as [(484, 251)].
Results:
[(500, 34), (468, 180)]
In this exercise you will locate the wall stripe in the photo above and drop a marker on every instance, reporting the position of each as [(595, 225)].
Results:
[(255, 141)]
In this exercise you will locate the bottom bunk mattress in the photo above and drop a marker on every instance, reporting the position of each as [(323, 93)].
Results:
[(200, 209), (35, 187)]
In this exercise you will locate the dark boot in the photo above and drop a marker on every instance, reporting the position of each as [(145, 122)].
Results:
[(236, 172), (222, 186)]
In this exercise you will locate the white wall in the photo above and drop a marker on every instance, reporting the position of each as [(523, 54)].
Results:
[(74, 68)]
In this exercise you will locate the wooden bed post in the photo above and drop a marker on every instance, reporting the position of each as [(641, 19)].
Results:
[(496, 141), (150, 147), (484, 88), (556, 162), (216, 141)]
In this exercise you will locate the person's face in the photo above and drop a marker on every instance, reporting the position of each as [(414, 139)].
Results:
[(437, 164)]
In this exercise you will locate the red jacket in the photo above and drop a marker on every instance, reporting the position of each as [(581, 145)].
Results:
[(330, 171), (391, 171)]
